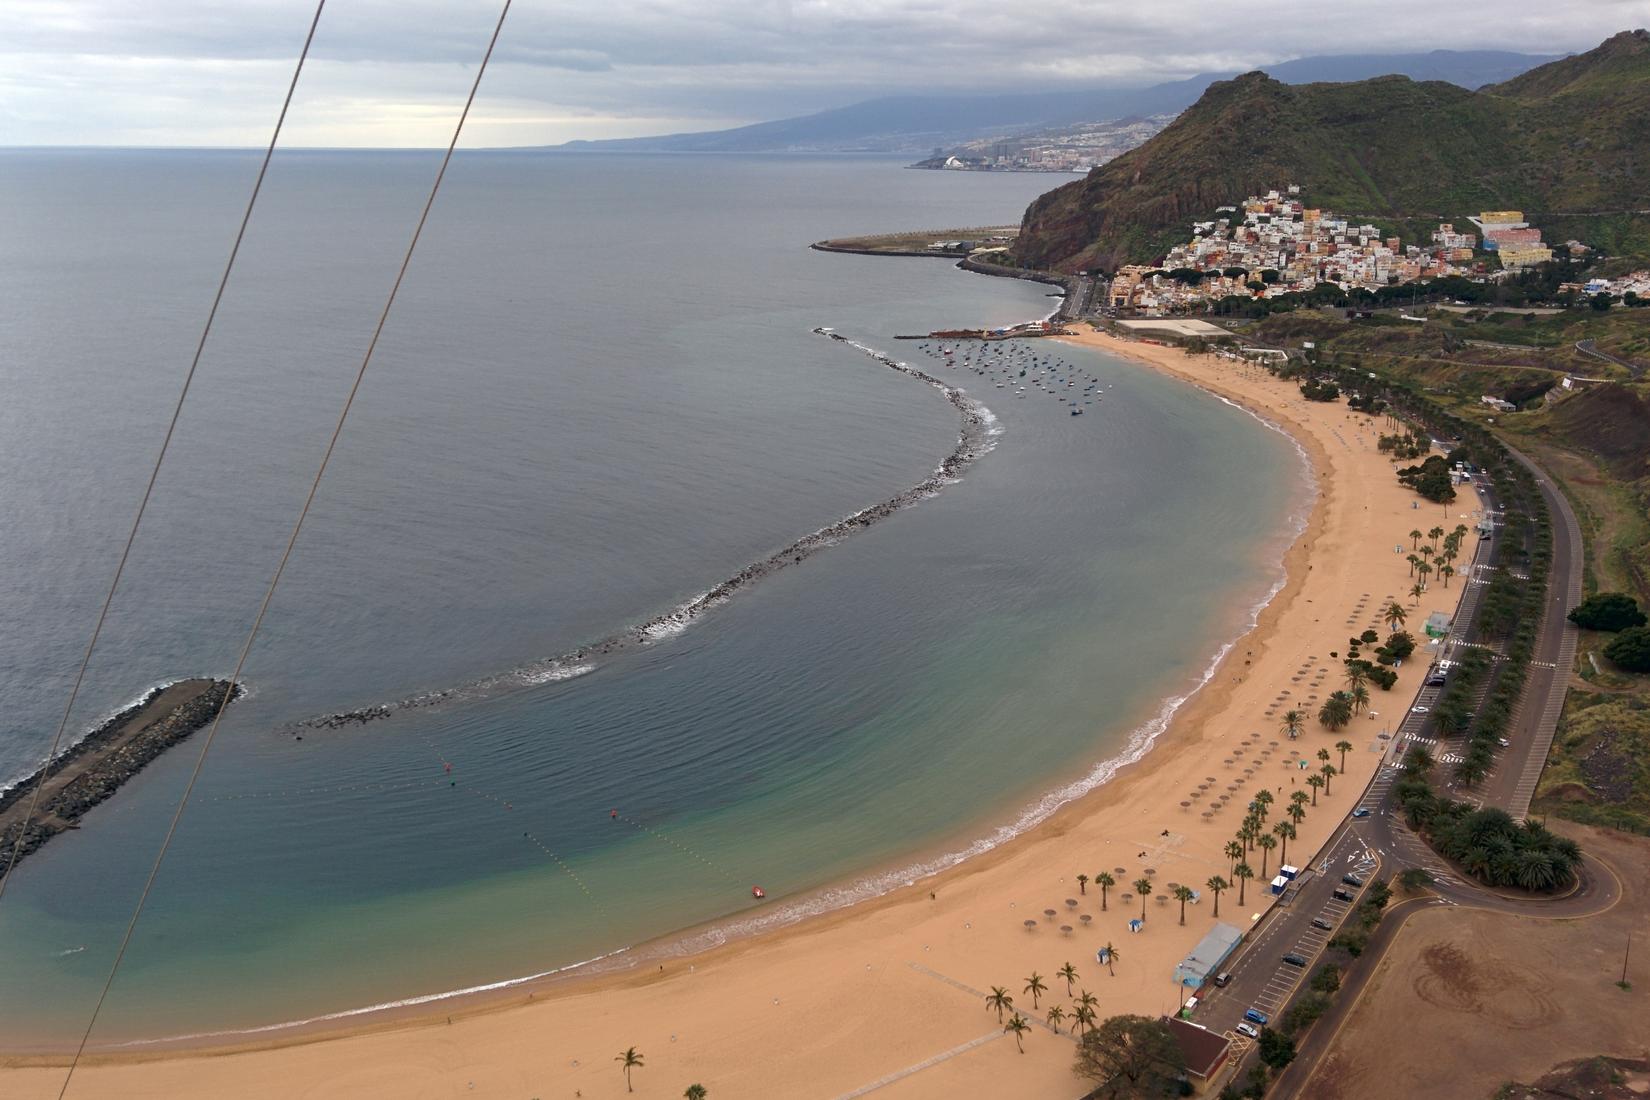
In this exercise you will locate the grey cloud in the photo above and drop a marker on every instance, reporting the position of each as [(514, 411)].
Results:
[(100, 70)]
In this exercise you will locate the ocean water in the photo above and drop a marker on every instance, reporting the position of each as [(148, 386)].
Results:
[(599, 396)]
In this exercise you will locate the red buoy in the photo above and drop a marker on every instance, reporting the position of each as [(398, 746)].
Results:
[(614, 815), (758, 892)]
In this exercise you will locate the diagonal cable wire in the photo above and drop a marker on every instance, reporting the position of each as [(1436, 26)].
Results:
[(286, 554), (165, 444)]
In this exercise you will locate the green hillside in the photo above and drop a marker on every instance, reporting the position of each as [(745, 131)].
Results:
[(1568, 139)]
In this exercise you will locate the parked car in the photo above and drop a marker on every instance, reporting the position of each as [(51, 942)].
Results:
[(1420, 710), (1319, 922), (1295, 960), (1223, 979), (1503, 742), (1341, 895), (1436, 680), (1361, 811), (1256, 1016), (1352, 880), (1248, 1029)]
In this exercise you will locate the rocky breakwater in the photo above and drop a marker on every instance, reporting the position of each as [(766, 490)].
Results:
[(975, 437), (96, 766)]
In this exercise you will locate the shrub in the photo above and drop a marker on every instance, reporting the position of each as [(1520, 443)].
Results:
[(1608, 611), (1630, 649)]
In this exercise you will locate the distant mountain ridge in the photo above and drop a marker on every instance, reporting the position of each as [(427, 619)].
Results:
[(916, 124), (1571, 137)]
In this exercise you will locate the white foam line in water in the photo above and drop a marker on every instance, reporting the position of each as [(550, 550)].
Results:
[(364, 1010)]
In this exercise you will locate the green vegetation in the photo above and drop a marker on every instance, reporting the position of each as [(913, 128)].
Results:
[(1320, 391), (1608, 611), (1599, 772), (1430, 479), (1631, 649), (1129, 1057), (1390, 150)]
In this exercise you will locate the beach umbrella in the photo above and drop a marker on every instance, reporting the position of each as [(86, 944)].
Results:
[(1031, 925), (1086, 917), (1066, 928), (1071, 903), (1185, 804), (1049, 913)]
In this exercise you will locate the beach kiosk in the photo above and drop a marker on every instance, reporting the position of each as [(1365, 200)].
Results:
[(1205, 959), (1438, 624), (1279, 885), (1289, 872)]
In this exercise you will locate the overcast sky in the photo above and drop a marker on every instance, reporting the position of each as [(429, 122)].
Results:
[(394, 72)]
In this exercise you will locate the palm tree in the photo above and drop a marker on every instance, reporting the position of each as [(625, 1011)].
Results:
[(1414, 560), (1315, 782), (1336, 711), (1446, 571), (1056, 1016), (1394, 615), (1243, 873), (1293, 722), (1263, 800), (1035, 987), (1285, 832), (1183, 894), (1360, 699), (1328, 771), (1111, 959), (1083, 885), (1069, 973), (1105, 882), (695, 1092), (1297, 805), (1087, 1001), (1344, 747), (1422, 570), (1415, 592), (1144, 887), (1323, 756), (1356, 677), (632, 1059), (1000, 1000), (1415, 539), (1216, 885), (1082, 1017), (1234, 852), (1017, 1024), (1267, 842), (1435, 534)]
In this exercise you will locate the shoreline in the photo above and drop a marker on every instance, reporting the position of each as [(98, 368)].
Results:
[(992, 871)]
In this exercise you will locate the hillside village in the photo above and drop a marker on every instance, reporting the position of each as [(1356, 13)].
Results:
[(1275, 244)]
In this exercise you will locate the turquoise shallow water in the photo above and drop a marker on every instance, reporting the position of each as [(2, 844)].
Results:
[(602, 397)]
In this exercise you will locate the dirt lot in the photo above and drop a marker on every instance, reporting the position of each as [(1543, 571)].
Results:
[(1468, 1000)]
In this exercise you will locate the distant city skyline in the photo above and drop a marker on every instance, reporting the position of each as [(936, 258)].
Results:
[(161, 72)]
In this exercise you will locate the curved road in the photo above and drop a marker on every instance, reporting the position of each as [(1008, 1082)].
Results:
[(1380, 841)]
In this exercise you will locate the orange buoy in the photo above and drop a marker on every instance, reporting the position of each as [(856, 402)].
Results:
[(758, 892)]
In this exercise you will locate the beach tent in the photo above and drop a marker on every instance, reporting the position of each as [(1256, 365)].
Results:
[(1136, 924), (1212, 950)]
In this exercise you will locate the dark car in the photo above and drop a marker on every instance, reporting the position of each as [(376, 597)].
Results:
[(1341, 895), (1319, 922), (1352, 880), (1294, 960), (1436, 680)]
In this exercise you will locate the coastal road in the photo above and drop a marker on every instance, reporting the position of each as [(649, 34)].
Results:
[(1512, 782), (1381, 843), (1590, 347)]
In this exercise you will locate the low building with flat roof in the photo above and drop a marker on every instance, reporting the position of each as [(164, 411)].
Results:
[(1212, 950)]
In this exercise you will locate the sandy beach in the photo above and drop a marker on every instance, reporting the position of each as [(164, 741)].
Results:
[(888, 996)]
